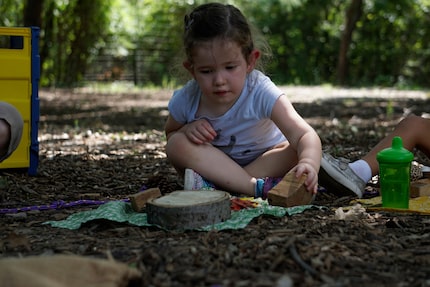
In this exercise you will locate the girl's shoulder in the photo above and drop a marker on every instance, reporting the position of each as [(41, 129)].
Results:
[(260, 83), (184, 102), (257, 76), (191, 87), (189, 91)]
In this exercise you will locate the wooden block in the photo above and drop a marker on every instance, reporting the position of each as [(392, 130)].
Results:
[(420, 187), (290, 191), (139, 200), (90, 195), (426, 174)]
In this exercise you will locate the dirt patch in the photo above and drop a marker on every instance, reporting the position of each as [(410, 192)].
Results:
[(107, 146)]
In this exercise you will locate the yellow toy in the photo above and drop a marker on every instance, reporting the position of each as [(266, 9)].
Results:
[(19, 86)]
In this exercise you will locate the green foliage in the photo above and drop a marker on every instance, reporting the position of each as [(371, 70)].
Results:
[(385, 42), (390, 44), (11, 12), (302, 38), (72, 31), (160, 37), (79, 28)]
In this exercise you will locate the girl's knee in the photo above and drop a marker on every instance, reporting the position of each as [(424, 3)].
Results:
[(179, 145), (412, 121)]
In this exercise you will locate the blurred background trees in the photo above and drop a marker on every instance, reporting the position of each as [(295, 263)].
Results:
[(350, 43)]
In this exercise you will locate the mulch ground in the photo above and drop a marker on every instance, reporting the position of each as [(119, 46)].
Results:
[(106, 146)]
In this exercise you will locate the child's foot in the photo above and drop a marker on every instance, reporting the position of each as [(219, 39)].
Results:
[(337, 177), (264, 185), (194, 181)]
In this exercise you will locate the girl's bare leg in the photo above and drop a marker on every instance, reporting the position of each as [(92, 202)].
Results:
[(217, 167), (414, 131), (274, 163)]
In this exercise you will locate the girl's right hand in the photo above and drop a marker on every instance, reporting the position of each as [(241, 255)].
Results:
[(199, 132)]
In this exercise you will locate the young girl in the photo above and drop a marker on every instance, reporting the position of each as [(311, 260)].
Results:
[(231, 124)]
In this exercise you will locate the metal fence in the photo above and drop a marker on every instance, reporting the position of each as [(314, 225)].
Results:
[(150, 63)]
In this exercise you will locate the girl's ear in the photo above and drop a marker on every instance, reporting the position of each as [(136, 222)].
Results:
[(252, 60), (187, 65)]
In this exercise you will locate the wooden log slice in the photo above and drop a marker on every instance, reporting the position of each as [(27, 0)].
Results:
[(189, 209)]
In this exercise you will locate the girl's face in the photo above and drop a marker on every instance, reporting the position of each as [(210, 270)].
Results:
[(220, 69)]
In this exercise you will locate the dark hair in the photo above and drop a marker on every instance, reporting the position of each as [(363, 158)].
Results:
[(213, 20)]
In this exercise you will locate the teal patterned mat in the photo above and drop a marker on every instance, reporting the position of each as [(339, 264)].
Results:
[(120, 211)]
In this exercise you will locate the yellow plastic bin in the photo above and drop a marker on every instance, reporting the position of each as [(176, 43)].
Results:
[(19, 86)]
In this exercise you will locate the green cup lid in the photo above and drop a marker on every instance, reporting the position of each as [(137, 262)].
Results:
[(396, 153)]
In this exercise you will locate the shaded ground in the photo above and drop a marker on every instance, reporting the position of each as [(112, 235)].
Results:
[(106, 146)]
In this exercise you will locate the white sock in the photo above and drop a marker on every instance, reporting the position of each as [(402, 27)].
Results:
[(362, 169)]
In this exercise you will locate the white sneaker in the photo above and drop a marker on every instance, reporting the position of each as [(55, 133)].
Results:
[(194, 181), (338, 178)]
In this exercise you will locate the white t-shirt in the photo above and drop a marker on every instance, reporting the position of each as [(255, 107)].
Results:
[(245, 131)]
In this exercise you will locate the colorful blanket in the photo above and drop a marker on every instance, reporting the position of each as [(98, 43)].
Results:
[(120, 211), (420, 205)]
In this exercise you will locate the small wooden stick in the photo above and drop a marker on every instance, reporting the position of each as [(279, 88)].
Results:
[(90, 195), (139, 200), (290, 191)]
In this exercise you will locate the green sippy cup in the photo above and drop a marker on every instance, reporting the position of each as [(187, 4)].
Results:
[(394, 174)]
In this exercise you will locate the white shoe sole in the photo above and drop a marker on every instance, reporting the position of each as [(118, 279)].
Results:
[(337, 183)]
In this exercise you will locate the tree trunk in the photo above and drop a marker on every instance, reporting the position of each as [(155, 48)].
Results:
[(182, 210), (33, 13), (353, 14), (48, 36)]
